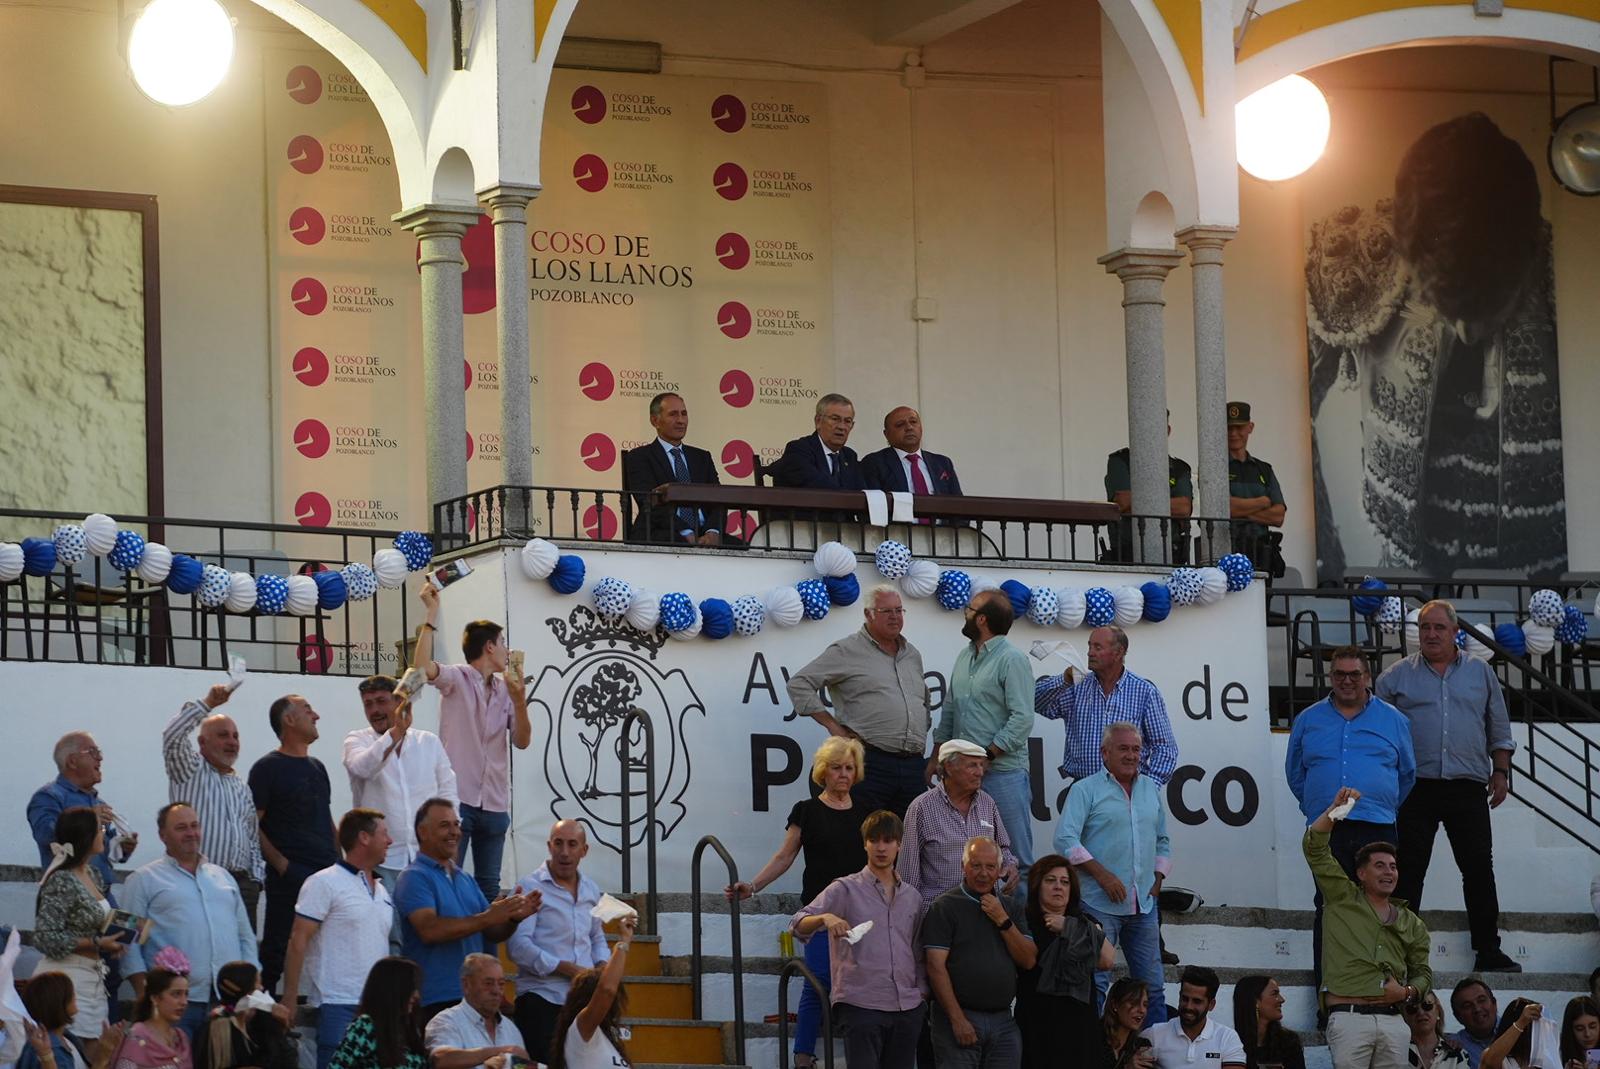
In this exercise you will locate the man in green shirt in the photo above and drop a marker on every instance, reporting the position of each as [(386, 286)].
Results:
[(1374, 950), (990, 702)]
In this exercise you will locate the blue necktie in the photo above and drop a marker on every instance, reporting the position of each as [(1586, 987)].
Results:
[(833, 467), (688, 518)]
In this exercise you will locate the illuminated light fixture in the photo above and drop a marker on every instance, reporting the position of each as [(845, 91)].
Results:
[(1281, 129), (180, 50)]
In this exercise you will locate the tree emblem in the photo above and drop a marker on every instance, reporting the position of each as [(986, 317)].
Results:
[(600, 706)]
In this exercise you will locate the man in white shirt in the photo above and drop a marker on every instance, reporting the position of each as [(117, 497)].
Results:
[(560, 941), (394, 768), (473, 1031), (341, 929), (1191, 1040)]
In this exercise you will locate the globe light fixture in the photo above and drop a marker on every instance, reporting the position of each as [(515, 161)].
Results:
[(1281, 130), (179, 50)]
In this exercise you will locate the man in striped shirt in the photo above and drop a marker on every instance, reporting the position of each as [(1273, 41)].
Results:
[(202, 776)]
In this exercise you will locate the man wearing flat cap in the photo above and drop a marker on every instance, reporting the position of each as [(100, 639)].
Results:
[(941, 820), (1255, 500)]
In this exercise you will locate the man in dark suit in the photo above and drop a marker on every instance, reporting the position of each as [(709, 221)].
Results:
[(668, 460), (822, 461), (905, 466)]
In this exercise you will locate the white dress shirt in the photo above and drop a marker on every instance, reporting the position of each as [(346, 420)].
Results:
[(395, 784)]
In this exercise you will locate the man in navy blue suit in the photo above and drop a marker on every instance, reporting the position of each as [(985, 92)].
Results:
[(668, 460), (905, 466), (822, 461)]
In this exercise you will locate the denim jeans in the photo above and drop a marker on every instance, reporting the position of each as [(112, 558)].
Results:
[(484, 831), (1012, 797), (809, 1017), (1139, 936), (332, 1020), (999, 1043), (193, 1022)]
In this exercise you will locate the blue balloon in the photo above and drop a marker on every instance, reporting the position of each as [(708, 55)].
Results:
[(1020, 596), (1574, 627), (416, 547), (1100, 606), (1239, 570), (677, 611), (186, 573), (814, 598), (843, 589), (272, 592), (1511, 637), (716, 618), (954, 589), (331, 589), (1369, 604), (567, 576), (1157, 601), (38, 556)]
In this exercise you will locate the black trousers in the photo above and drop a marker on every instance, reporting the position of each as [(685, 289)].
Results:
[(281, 894), (536, 1020), (892, 781), (1347, 837), (1462, 806)]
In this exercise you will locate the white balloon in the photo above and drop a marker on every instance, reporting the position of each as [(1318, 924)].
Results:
[(390, 567), (921, 579), (1071, 607), (1213, 586), (10, 561), (1474, 644), (241, 592), (1130, 605), (1540, 639), (302, 597), (539, 559), (692, 631), (215, 585), (100, 533), (155, 564), (834, 559), (644, 612), (981, 583), (784, 606)]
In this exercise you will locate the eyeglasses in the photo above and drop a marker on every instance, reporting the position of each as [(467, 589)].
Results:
[(848, 421), (1348, 677), (888, 612), (95, 753), (969, 610)]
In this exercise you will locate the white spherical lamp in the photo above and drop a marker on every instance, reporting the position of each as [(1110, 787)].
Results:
[(1281, 129), (179, 50)]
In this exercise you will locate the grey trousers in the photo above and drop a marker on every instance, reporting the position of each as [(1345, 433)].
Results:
[(879, 1039), (999, 1044)]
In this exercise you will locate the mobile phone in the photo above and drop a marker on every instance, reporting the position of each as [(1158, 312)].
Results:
[(1591, 1057)]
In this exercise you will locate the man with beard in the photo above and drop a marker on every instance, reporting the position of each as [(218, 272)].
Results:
[(1192, 1037)]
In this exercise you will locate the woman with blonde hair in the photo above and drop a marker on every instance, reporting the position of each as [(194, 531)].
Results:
[(1430, 1047), (828, 829)]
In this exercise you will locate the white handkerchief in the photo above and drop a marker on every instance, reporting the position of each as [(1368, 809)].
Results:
[(237, 667), (1063, 649), (410, 683), (877, 508), (9, 999), (853, 936), (610, 909), (1339, 812), (904, 511)]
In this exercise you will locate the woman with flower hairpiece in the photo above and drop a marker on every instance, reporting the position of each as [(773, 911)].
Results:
[(157, 1040), (71, 915)]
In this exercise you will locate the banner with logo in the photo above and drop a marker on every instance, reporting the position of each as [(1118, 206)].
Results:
[(680, 244)]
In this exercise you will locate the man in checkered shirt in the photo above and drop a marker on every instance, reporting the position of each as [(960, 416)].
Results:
[(941, 820), (1109, 694)]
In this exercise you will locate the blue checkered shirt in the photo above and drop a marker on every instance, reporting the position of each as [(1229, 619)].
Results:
[(1087, 709)]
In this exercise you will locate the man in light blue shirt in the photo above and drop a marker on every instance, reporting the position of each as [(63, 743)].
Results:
[(192, 905), (1114, 830), (1351, 738), (990, 702), (560, 941)]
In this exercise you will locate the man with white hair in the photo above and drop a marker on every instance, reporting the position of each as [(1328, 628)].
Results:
[(941, 821), (474, 1031), (880, 697), (1114, 830)]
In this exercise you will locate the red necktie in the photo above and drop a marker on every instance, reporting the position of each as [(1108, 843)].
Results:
[(919, 485)]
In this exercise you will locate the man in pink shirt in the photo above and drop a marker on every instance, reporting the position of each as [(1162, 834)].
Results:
[(480, 704)]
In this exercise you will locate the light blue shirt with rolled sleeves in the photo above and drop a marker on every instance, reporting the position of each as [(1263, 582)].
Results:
[(200, 913), (1457, 719), (563, 929), (1126, 834)]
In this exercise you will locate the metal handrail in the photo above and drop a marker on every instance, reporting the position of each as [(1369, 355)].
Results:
[(696, 960), (635, 714), (790, 968)]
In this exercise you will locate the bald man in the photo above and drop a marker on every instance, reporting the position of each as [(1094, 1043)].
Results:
[(203, 776), (904, 466), (560, 941)]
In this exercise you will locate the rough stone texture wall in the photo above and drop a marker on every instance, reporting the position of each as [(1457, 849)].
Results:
[(72, 360)]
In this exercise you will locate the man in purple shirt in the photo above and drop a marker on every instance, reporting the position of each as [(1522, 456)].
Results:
[(477, 710), (878, 982)]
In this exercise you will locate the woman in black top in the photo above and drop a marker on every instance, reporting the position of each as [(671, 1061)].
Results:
[(1117, 1043), (828, 829), (238, 1035), (1055, 998), (1258, 1018)]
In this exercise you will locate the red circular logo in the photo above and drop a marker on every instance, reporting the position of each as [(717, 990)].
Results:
[(598, 451), (588, 104), (477, 282), (600, 522), (304, 84), (307, 225), (730, 181), (309, 296), (590, 172), (736, 389), (472, 447), (311, 438), (310, 366), (740, 524), (315, 655), (596, 381), (733, 319), (727, 112), (466, 373), (738, 459), (733, 251), (305, 154), (311, 509)]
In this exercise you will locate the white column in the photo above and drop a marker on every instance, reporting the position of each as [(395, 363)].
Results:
[(439, 229), (1143, 272), (1210, 379)]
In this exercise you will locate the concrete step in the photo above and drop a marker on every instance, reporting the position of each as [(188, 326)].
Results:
[(660, 996), (644, 955), (661, 1039)]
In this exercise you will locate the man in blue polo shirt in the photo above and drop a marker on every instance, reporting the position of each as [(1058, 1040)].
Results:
[(1352, 738), (443, 914)]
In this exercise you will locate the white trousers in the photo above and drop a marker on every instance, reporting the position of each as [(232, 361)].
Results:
[(88, 987), (1369, 1041)]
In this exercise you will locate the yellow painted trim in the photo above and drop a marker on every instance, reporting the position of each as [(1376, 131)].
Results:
[(542, 10), (409, 23), (1183, 21), (1303, 16)]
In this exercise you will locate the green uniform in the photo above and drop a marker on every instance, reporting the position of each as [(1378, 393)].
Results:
[(1119, 477), (1253, 477)]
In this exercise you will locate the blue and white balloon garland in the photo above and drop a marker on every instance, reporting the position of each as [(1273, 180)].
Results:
[(214, 587), (1550, 620)]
